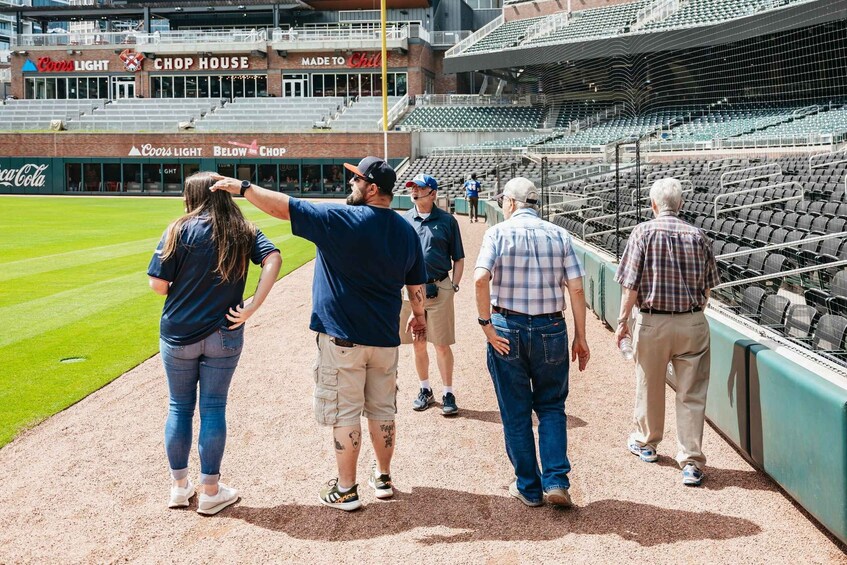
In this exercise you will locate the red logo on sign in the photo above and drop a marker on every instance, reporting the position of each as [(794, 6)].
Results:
[(361, 60), (48, 65), (131, 60)]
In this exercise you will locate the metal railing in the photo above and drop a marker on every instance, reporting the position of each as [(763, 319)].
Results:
[(726, 163), (474, 37), (775, 168), (840, 156), (339, 34), (799, 196), (183, 37), (479, 100), (74, 39), (547, 26), (444, 38), (395, 112), (658, 10)]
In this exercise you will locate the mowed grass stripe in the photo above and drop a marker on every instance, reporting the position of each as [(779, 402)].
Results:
[(86, 295), (56, 261)]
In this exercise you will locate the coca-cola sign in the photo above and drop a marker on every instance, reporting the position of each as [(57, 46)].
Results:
[(27, 176)]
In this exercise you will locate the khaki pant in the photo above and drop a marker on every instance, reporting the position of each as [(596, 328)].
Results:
[(683, 341), (440, 316), (354, 381)]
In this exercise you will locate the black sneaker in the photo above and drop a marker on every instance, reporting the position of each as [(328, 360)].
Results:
[(381, 483), (448, 405), (424, 400), (331, 496)]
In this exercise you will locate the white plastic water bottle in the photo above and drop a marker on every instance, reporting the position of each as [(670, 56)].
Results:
[(626, 348)]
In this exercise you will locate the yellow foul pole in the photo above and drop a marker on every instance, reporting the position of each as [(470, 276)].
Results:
[(384, 80)]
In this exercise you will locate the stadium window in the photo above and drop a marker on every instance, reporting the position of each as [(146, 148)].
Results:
[(392, 83), (29, 89), (132, 177), (73, 176), (377, 84), (189, 169), (103, 83), (262, 85), (317, 85), (112, 177), (401, 84), (226, 170), (289, 178), (152, 174), (82, 85), (179, 87), (341, 85), (172, 174), (62, 89), (91, 175), (250, 86), (215, 86), (311, 178), (191, 87), (366, 85), (203, 87), (267, 176), (353, 84), (237, 86)]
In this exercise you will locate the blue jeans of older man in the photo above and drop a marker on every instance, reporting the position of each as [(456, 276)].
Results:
[(533, 376), (208, 365)]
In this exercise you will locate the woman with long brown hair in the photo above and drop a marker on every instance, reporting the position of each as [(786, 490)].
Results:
[(201, 266)]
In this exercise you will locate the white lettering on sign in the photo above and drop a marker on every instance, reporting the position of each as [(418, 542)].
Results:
[(29, 175), (48, 65), (150, 150), (201, 63), (322, 61)]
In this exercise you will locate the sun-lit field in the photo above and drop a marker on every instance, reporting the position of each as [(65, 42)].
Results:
[(75, 307)]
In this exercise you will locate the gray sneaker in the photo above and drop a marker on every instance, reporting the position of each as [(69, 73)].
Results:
[(559, 497), (448, 405), (424, 400)]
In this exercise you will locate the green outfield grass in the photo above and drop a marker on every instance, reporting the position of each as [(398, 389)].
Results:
[(73, 284)]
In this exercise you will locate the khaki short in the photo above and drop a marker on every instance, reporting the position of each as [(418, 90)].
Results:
[(440, 316), (354, 381)]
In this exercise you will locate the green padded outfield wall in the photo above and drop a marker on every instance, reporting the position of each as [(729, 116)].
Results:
[(798, 434)]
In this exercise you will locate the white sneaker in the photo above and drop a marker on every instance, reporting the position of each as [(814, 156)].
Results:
[(181, 495), (209, 505)]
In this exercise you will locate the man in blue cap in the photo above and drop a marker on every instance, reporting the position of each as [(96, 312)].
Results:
[(355, 312), (443, 251)]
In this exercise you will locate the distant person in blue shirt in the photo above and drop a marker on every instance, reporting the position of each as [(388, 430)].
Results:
[(366, 254), (472, 193), (201, 266)]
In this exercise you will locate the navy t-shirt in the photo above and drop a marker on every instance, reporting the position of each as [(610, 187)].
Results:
[(365, 256), (440, 238), (197, 300)]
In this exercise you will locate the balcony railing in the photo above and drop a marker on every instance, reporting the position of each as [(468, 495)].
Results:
[(67, 39), (189, 37), (329, 34), (479, 100)]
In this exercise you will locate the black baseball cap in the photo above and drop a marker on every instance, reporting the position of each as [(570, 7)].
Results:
[(377, 171)]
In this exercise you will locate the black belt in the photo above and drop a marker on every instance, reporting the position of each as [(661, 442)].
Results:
[(652, 311), (507, 312), (435, 280)]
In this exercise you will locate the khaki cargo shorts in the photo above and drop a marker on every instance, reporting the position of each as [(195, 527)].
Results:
[(440, 316), (354, 381)]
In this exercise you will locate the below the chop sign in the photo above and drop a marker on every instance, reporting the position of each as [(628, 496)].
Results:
[(201, 63)]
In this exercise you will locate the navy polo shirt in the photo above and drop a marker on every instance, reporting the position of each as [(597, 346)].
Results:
[(440, 239), (365, 256), (198, 300)]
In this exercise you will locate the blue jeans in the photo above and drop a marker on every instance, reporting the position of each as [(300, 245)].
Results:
[(533, 376), (211, 364)]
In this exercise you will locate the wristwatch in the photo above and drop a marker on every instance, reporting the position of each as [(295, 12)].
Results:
[(455, 288), (483, 321), (245, 184)]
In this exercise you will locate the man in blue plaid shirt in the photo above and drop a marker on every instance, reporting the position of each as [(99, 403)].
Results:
[(528, 263)]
